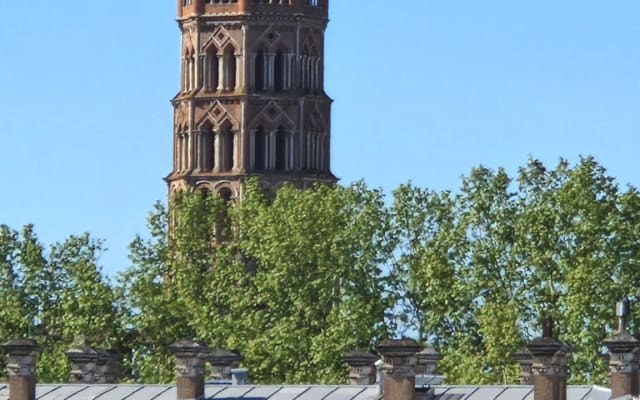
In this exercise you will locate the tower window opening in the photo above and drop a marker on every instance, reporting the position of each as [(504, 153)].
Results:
[(281, 149), (206, 149), (279, 71), (230, 68), (260, 71), (227, 147), (212, 69), (260, 150), (225, 194)]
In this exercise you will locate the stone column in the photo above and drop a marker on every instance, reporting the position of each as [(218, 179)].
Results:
[(222, 362), (623, 356), (221, 73), (525, 359), (83, 360), (549, 366), (399, 357), (362, 367), (189, 367), (22, 356), (239, 74)]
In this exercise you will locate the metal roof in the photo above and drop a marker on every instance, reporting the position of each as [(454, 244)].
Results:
[(292, 392)]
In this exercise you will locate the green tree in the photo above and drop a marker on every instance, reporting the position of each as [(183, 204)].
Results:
[(54, 296), (292, 281)]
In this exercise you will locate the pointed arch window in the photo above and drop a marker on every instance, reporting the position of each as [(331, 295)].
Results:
[(259, 72), (230, 69), (279, 71), (281, 149), (260, 149), (212, 69), (206, 148), (227, 149)]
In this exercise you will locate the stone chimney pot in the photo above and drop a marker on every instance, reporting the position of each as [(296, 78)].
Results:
[(549, 367), (22, 357), (623, 356), (400, 358), (189, 367), (362, 368), (222, 362), (83, 359), (525, 359), (428, 361)]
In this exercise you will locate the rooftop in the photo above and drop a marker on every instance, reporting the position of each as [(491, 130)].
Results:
[(297, 392)]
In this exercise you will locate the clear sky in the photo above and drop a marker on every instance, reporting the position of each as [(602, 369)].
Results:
[(424, 90)]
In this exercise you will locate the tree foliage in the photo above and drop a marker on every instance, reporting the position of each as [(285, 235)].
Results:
[(54, 295), (294, 279)]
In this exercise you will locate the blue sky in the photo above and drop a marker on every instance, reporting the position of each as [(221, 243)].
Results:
[(424, 90)]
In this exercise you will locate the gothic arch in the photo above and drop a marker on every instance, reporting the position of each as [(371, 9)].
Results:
[(205, 146), (272, 115), (227, 138), (218, 114)]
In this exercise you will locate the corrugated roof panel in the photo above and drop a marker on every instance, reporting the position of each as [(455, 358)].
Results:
[(487, 392), (62, 392), (515, 393), (92, 392), (232, 392), (369, 393), (289, 392), (42, 390), (458, 393), (170, 394), (578, 392), (317, 392), (598, 393), (262, 392), (212, 390), (346, 393), (147, 392), (120, 392)]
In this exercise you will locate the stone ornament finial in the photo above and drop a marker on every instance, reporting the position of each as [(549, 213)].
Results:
[(22, 357)]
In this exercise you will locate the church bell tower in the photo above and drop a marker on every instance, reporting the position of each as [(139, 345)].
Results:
[(251, 99)]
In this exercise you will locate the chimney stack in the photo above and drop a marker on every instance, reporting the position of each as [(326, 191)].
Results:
[(189, 367), (623, 356), (222, 362), (399, 357), (549, 366), (83, 359), (362, 367), (428, 361), (109, 366), (525, 359), (22, 356)]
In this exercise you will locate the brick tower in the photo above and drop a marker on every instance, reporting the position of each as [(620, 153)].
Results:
[(252, 100)]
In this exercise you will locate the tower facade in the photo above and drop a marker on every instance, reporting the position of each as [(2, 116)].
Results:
[(252, 99)]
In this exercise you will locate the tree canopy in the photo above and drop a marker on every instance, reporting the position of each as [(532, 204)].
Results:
[(295, 279)]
